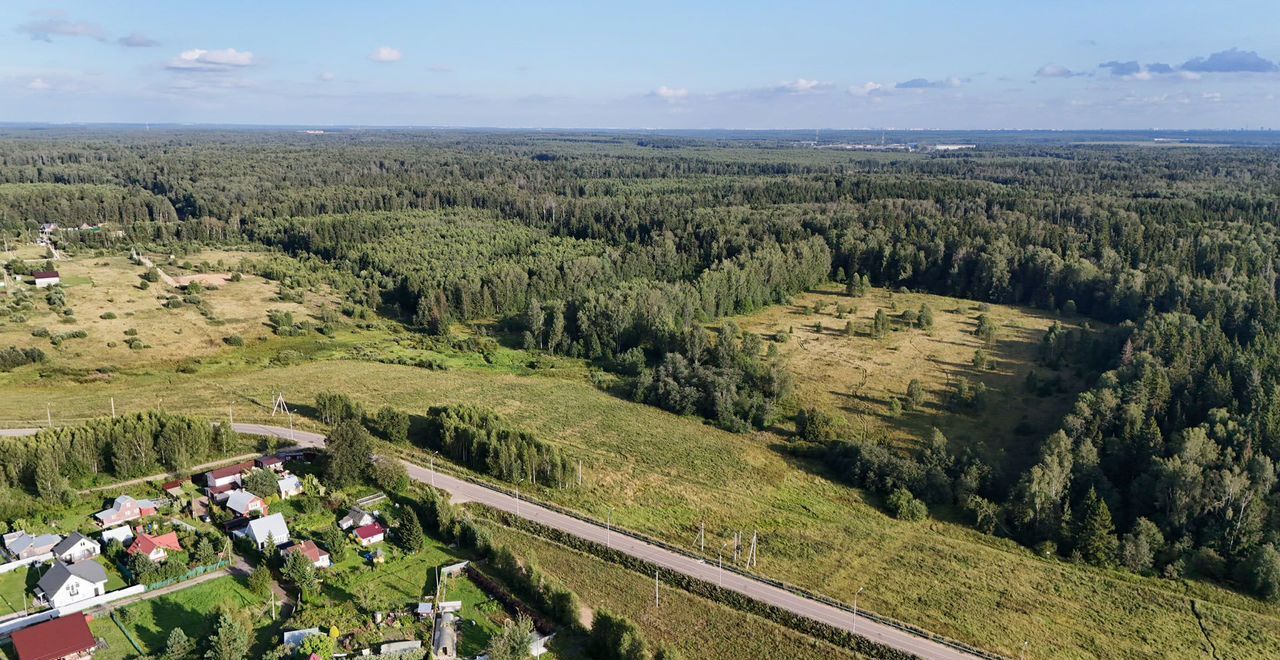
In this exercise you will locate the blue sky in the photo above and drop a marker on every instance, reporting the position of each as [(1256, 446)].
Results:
[(657, 64)]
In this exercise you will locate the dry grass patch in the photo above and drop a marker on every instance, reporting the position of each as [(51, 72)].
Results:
[(858, 376)]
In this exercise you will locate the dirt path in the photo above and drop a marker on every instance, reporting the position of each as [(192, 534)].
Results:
[(173, 475)]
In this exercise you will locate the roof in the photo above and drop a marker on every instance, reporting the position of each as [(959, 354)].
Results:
[(20, 541), (224, 488), (44, 274), (60, 573), (70, 542), (369, 531), (308, 548), (295, 637), (146, 544), (229, 471), (119, 533), (121, 503), (54, 639), (444, 635), (170, 485), (240, 501), (289, 483), (272, 525), (270, 460), (356, 515)]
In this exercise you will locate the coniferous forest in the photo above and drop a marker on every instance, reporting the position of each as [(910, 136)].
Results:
[(624, 250)]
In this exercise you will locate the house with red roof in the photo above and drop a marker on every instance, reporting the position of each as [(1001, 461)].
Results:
[(371, 534), (231, 474), (64, 638), (319, 558), (156, 548)]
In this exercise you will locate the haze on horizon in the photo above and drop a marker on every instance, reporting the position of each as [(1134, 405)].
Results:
[(978, 65)]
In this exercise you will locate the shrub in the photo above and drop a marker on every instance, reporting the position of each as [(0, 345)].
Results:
[(233, 340), (904, 506)]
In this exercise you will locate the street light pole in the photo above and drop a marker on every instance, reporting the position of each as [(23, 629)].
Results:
[(608, 530)]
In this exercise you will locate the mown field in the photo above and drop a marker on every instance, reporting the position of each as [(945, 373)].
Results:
[(662, 475), (856, 376), (696, 627)]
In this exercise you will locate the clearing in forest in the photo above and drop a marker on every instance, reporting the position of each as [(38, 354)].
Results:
[(127, 326), (839, 364)]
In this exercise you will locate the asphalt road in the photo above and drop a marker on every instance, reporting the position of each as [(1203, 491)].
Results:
[(461, 490)]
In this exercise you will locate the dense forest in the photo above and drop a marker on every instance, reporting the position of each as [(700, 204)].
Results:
[(609, 248)]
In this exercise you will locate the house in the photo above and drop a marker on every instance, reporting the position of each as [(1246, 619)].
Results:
[(370, 534), (444, 641), (156, 548), (356, 518), (173, 488), (46, 278), (64, 584), (122, 534), (425, 610), (200, 508), (220, 493), (449, 606), (21, 545), (227, 475), (270, 527), (245, 503), (64, 638), (453, 570), (123, 510), (270, 463), (76, 547), (289, 486), (296, 637), (319, 558)]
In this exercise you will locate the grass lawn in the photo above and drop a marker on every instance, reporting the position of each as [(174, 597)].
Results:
[(14, 585), (189, 609), (662, 475), (696, 627)]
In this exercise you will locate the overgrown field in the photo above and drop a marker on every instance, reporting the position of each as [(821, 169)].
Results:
[(840, 366), (126, 326), (662, 475)]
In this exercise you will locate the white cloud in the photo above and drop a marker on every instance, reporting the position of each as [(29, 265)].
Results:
[(803, 86), (671, 93), (1055, 71), (325, 76), (440, 68), (386, 54), (38, 85), (199, 59), (866, 89)]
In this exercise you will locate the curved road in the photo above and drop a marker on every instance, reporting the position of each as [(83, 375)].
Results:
[(461, 490)]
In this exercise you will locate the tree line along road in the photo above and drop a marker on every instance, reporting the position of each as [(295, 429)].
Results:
[(466, 491)]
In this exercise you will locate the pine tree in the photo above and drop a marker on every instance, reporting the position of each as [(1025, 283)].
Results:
[(179, 646), (1096, 535), (409, 532), (230, 640)]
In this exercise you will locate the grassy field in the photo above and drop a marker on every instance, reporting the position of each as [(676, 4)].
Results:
[(109, 286), (662, 474), (697, 627), (14, 586), (856, 376)]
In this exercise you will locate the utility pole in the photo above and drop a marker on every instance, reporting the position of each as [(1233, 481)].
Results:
[(855, 609), (231, 415), (608, 530), (655, 587), (48, 413), (113, 407), (702, 537), (433, 469), (737, 546), (579, 473), (751, 554)]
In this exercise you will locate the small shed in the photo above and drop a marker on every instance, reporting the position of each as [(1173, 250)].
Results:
[(46, 278)]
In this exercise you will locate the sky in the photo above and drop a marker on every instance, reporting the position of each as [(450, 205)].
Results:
[(713, 64)]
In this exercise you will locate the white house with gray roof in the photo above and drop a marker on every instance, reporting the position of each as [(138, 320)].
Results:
[(76, 547), (64, 584), (268, 527)]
